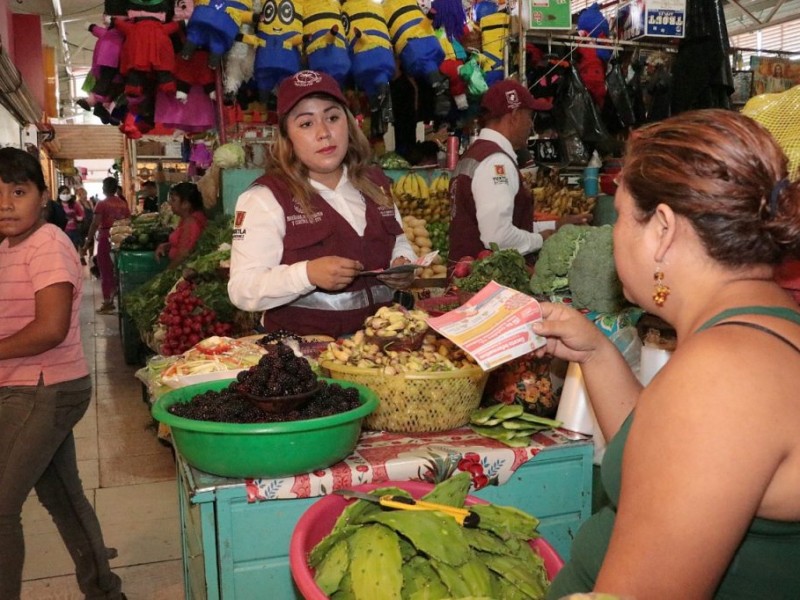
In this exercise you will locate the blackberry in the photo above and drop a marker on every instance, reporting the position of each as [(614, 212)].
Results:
[(227, 406)]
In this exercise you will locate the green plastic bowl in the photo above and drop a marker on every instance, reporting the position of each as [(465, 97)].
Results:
[(263, 449)]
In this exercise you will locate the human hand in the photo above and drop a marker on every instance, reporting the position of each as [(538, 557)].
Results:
[(570, 335), (398, 281), (333, 272), (581, 219), (161, 250)]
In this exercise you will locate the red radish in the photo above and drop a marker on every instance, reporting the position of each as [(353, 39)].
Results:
[(484, 254)]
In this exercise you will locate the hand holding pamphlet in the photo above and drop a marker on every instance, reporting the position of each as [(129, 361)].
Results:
[(494, 326)]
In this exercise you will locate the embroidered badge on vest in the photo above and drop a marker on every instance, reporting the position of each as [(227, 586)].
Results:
[(238, 223)]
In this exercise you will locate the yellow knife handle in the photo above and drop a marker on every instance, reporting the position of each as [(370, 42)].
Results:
[(462, 516)]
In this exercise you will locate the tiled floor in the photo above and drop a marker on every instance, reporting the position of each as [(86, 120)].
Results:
[(127, 474)]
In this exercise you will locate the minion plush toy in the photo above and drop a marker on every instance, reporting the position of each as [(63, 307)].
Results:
[(418, 48), (280, 28), (214, 25), (324, 38), (494, 26), (592, 61), (371, 59)]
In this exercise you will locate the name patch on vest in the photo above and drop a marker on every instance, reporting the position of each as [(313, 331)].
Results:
[(238, 225), (386, 211), (500, 175), (301, 219)]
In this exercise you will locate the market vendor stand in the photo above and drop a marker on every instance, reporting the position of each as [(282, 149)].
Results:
[(235, 533)]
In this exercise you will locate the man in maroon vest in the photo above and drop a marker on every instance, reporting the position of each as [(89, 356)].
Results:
[(489, 201)]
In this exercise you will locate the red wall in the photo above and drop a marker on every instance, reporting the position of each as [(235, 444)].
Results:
[(5, 28), (28, 53)]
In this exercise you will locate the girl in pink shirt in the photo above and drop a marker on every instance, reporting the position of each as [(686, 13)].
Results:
[(45, 386)]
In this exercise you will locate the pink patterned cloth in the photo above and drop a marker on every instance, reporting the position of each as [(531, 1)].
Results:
[(431, 457)]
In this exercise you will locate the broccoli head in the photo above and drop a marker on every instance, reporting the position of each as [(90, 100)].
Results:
[(555, 258), (592, 277)]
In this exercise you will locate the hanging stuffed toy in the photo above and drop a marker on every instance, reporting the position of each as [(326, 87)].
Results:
[(418, 49), (324, 38), (494, 26), (592, 61), (240, 59), (280, 28), (196, 69), (107, 80), (450, 25), (191, 109), (372, 64), (147, 49), (214, 25)]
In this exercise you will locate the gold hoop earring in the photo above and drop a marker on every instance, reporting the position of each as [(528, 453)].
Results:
[(661, 291)]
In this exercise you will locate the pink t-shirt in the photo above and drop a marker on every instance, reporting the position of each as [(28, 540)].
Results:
[(43, 259)]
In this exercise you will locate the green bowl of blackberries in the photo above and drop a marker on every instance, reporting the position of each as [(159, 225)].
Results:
[(222, 427)]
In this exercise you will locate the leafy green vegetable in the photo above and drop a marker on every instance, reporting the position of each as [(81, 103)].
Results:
[(555, 259), (506, 267), (593, 278)]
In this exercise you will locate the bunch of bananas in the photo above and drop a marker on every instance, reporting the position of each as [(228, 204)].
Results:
[(418, 199), (552, 196)]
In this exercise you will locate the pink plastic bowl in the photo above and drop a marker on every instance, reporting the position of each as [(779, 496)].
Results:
[(319, 519)]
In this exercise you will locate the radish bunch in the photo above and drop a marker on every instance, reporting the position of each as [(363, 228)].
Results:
[(188, 320)]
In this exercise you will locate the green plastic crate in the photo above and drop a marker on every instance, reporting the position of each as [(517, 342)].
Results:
[(140, 261)]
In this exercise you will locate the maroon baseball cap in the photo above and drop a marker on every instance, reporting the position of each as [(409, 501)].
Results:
[(302, 84), (506, 96)]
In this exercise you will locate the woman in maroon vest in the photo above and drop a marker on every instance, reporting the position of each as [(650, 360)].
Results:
[(305, 231)]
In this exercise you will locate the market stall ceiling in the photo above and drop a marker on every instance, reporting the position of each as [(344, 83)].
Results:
[(65, 26), (86, 142)]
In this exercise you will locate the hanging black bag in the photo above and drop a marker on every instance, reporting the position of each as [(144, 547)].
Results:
[(618, 94), (576, 112)]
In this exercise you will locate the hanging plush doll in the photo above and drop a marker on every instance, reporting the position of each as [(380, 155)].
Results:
[(281, 31), (450, 23), (191, 108), (105, 71), (418, 49), (147, 50), (372, 62), (194, 70), (324, 38), (240, 59), (214, 25), (592, 61), (494, 25)]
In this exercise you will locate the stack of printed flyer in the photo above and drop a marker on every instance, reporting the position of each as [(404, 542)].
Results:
[(494, 326)]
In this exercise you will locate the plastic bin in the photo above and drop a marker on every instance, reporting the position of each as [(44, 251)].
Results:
[(134, 268)]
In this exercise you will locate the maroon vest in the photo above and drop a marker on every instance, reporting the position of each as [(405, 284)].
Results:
[(326, 233), (465, 236)]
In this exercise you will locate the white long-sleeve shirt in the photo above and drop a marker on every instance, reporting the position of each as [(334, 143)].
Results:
[(494, 198), (258, 281)]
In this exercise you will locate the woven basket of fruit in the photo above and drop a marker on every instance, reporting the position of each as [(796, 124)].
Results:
[(420, 401)]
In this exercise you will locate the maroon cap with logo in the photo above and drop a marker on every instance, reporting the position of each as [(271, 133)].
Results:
[(506, 96), (302, 84)]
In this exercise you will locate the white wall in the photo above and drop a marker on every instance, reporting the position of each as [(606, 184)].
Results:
[(9, 129)]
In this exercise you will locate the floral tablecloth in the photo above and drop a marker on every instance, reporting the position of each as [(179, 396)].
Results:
[(431, 457)]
